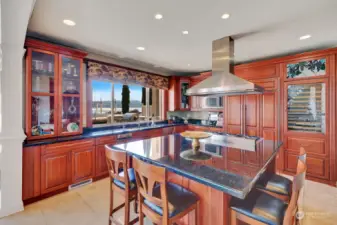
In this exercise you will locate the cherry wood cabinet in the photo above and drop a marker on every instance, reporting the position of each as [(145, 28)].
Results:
[(101, 166), (83, 164), (53, 90), (204, 128), (55, 171), (31, 168)]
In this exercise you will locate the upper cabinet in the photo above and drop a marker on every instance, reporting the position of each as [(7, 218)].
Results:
[(53, 79), (306, 69), (184, 100), (70, 92)]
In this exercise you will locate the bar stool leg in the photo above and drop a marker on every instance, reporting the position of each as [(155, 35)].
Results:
[(127, 210), (135, 204), (196, 214), (233, 218), (111, 203), (141, 215)]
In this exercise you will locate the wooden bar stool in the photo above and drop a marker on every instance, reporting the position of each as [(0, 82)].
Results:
[(161, 201), (260, 208), (121, 182), (277, 185)]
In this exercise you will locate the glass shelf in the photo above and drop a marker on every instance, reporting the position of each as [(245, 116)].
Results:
[(42, 72), (306, 107), (42, 115), (70, 76), (70, 114)]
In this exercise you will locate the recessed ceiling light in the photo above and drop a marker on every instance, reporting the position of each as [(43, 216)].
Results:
[(225, 16), (305, 37), (140, 48), (158, 16), (185, 32), (69, 22), (188, 64)]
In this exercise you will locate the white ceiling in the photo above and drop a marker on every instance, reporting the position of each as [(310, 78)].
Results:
[(261, 28)]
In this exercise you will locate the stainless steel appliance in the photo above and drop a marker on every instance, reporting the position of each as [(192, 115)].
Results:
[(212, 102), (223, 81)]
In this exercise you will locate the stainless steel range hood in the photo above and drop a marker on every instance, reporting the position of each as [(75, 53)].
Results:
[(223, 81)]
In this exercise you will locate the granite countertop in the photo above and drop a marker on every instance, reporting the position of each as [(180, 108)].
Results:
[(233, 178), (105, 131), (98, 132)]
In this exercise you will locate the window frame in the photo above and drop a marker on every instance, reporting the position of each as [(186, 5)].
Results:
[(147, 107)]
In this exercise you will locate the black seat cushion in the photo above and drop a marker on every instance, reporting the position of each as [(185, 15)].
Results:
[(132, 179), (261, 206), (275, 183), (178, 197)]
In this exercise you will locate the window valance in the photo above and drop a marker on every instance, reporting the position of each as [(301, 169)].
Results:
[(124, 75)]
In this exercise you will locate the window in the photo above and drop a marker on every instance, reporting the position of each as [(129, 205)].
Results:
[(114, 103)]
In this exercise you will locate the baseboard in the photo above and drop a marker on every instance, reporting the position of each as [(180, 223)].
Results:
[(9, 210)]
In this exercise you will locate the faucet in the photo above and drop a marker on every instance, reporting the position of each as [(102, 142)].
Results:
[(152, 122), (138, 125)]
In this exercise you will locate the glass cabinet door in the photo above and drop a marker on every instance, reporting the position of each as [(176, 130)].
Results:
[(41, 97), (70, 96), (70, 76), (184, 99), (42, 71), (306, 107)]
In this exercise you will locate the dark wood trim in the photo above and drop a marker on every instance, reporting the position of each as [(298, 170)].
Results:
[(33, 43), (61, 95), (285, 59), (119, 66)]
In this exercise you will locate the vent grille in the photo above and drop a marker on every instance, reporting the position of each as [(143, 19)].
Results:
[(80, 184)]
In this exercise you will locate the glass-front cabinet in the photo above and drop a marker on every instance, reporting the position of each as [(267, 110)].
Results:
[(70, 95), (306, 107), (53, 90), (41, 86)]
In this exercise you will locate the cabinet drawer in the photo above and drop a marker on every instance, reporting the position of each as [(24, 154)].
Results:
[(106, 140), (167, 131), (66, 146), (180, 129), (316, 167), (310, 145), (242, 169)]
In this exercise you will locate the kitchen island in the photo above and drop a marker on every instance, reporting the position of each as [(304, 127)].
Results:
[(229, 172)]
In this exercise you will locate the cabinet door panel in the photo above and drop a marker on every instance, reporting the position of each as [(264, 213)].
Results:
[(31, 172), (234, 110), (83, 164), (268, 110), (313, 145), (55, 172), (101, 166), (316, 167), (251, 104)]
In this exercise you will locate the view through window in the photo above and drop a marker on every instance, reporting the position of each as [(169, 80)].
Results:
[(119, 103)]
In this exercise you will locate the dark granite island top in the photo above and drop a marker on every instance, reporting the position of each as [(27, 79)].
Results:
[(230, 170)]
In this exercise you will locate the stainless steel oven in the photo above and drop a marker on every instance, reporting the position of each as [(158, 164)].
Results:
[(212, 102)]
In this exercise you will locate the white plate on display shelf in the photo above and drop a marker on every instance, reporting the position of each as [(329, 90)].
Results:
[(73, 127)]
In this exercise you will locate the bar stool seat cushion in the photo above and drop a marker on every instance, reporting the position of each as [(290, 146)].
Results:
[(276, 184), (132, 179), (261, 206), (179, 199)]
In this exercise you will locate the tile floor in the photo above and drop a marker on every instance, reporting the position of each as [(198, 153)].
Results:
[(89, 205)]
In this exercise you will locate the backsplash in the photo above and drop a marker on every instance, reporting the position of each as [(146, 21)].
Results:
[(197, 117)]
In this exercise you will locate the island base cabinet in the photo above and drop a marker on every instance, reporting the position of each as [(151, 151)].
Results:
[(101, 165), (213, 205), (83, 164), (55, 171)]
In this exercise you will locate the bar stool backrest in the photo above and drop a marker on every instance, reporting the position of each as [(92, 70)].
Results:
[(298, 184), (147, 177), (117, 160)]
